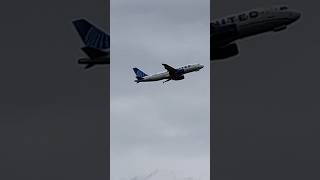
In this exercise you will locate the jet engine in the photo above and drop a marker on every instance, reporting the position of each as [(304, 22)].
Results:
[(177, 78), (224, 52), (222, 35)]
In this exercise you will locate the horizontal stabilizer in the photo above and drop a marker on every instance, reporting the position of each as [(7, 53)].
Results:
[(89, 66), (94, 53)]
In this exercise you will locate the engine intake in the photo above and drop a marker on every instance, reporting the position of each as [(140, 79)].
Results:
[(224, 52), (177, 78)]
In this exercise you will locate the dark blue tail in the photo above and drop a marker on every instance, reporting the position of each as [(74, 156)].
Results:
[(91, 35), (139, 74)]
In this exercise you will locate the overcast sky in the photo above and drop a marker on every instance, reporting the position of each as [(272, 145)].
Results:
[(265, 102), (156, 126)]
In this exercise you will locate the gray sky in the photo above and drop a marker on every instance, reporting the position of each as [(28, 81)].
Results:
[(156, 126), (265, 102), (53, 113)]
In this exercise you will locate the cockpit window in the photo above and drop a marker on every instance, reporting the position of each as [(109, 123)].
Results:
[(283, 8)]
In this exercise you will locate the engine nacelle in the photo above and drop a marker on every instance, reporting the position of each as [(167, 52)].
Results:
[(224, 52), (221, 35), (177, 78)]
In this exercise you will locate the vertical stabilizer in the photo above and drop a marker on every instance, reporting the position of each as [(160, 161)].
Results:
[(92, 36)]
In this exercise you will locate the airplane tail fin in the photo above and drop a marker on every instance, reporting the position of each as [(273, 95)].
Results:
[(139, 74), (92, 36), (93, 52)]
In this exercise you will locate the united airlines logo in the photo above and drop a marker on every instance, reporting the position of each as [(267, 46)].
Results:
[(97, 39), (140, 74), (233, 19)]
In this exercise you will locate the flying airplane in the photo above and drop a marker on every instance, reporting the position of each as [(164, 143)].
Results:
[(225, 31), (97, 44), (170, 74)]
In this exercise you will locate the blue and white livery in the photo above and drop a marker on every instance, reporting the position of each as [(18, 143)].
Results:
[(170, 74)]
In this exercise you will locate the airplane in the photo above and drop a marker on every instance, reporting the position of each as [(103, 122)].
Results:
[(97, 44), (225, 31), (170, 74)]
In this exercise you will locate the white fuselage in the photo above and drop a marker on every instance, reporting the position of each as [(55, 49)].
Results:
[(258, 21), (165, 74)]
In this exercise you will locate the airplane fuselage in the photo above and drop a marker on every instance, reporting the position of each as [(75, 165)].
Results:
[(166, 75), (224, 31)]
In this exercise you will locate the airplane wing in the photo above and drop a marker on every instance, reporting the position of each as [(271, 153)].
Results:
[(223, 34), (222, 39), (172, 71)]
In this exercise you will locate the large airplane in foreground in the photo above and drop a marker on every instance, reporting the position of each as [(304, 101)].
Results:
[(170, 74), (225, 31), (97, 44)]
